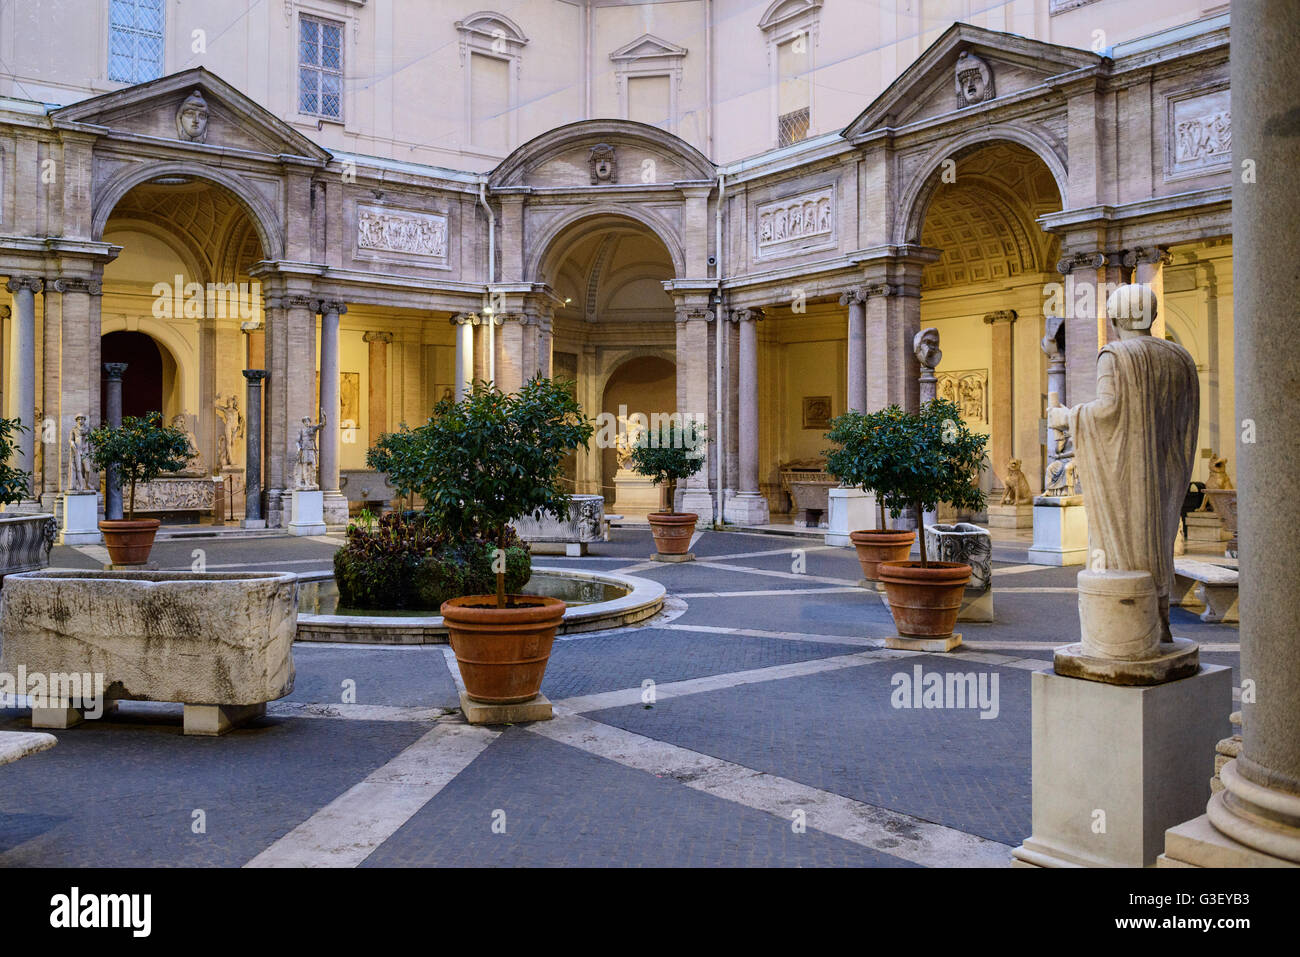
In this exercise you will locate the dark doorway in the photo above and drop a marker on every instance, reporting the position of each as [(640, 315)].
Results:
[(142, 385)]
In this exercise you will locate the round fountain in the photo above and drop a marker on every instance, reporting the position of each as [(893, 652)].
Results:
[(596, 600)]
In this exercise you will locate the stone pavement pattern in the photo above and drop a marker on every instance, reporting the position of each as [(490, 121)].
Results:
[(771, 739)]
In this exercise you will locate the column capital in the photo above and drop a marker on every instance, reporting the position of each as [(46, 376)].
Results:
[(254, 375), (298, 302), (77, 284), (464, 319), (5, 312), (1083, 260), (385, 337), (324, 306), (853, 295), (746, 315), (1146, 255), (115, 370), (1001, 315), (33, 283), (694, 314)]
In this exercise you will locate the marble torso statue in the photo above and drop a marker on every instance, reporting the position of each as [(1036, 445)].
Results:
[(306, 463)]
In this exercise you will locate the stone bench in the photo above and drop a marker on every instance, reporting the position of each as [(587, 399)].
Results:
[(1210, 589), (219, 643), (21, 744)]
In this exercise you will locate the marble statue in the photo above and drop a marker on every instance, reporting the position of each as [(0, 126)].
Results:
[(232, 421), (1017, 490), (79, 465), (1061, 478), (1134, 446), (1217, 480), (194, 464), (192, 119), (305, 465)]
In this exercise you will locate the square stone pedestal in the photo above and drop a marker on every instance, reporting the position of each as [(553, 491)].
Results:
[(307, 512), (80, 519), (1205, 527), (634, 494), (1011, 516), (671, 559), (900, 643), (537, 708), (1060, 531), (746, 508), (1115, 766), (851, 510), (211, 720)]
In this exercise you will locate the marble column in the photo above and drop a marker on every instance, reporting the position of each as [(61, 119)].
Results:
[(113, 417), (6, 313), (464, 372), (748, 507), (856, 396), (1148, 264), (1086, 327), (253, 515), (79, 357), (378, 373), (1256, 817), (893, 318), (1001, 392), (693, 387), (1054, 346), (335, 505), (22, 371)]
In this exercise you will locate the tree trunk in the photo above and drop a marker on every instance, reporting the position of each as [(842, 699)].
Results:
[(920, 534), (501, 575)]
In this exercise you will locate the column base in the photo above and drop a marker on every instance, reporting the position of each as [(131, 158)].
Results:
[(747, 508), (1198, 843), (1114, 767), (1060, 531), (699, 501), (335, 508), (849, 510)]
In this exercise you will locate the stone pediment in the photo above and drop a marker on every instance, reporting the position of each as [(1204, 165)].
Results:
[(647, 47), (966, 67), (598, 153), (230, 119)]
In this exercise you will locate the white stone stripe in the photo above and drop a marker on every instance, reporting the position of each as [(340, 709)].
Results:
[(353, 712), (1215, 646), (890, 832), (348, 829), (674, 689), (770, 573), (770, 551), (771, 592), (784, 635), (1017, 569)]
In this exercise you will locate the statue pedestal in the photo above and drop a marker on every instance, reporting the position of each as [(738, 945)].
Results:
[(634, 494), (848, 510), (1115, 766), (80, 519), (307, 512), (1205, 527), (1011, 516), (1060, 531)]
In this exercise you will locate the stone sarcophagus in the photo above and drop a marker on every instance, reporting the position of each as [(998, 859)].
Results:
[(174, 494), (808, 484), (220, 643), (546, 532), (25, 542), (973, 546)]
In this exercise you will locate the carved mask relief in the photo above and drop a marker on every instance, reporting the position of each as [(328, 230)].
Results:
[(192, 119), (974, 80), (603, 168)]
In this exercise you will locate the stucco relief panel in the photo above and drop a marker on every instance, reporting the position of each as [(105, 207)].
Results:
[(795, 224)]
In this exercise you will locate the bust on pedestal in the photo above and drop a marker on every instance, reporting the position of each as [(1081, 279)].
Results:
[(1126, 720), (307, 501)]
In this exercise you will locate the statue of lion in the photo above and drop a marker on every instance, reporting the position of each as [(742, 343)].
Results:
[(1017, 486)]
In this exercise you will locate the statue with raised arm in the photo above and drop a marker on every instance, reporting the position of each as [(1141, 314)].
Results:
[(307, 460), (79, 469), (1134, 448)]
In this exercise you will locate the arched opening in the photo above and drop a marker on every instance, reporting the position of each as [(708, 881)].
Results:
[(150, 378), (643, 385)]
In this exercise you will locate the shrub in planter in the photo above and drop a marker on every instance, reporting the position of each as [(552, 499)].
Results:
[(668, 455), (922, 459), (15, 484), (141, 448), (478, 464)]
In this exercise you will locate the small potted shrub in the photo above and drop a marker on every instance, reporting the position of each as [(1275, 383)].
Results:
[(666, 456), (141, 449), (479, 464), (25, 540), (858, 463), (924, 459)]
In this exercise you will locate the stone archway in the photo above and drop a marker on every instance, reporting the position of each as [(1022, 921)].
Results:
[(644, 384)]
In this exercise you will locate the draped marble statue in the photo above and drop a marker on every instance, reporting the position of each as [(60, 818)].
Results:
[(1134, 445)]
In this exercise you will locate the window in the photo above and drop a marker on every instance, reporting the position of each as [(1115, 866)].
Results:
[(791, 27), (320, 68), (648, 72), (649, 100), (135, 40), (792, 98), (491, 48), (489, 103)]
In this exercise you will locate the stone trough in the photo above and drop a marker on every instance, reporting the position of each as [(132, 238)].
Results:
[(219, 643), (608, 601)]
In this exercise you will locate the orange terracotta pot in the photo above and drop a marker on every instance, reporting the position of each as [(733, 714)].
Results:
[(924, 601), (876, 546), (129, 542), (502, 652), (672, 531)]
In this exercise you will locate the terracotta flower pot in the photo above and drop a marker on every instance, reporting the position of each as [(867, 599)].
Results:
[(672, 531), (924, 601), (129, 542), (502, 652), (876, 546)]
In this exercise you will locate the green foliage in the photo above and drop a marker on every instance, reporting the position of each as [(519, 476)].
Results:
[(488, 459), (402, 561), (15, 484), (908, 459), (671, 453), (141, 448)]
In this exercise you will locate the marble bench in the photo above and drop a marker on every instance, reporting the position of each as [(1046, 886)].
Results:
[(21, 744), (1200, 585)]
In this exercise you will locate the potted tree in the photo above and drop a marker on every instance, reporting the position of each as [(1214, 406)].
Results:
[(924, 459), (25, 540), (666, 456), (859, 463), (479, 464), (141, 448)]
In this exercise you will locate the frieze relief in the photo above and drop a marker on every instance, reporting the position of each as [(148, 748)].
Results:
[(969, 389), (1199, 132), (789, 224), (415, 234)]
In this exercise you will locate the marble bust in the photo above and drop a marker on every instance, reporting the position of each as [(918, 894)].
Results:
[(925, 344), (1134, 447), (192, 119)]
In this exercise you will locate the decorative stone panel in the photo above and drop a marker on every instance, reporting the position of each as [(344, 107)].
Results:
[(1198, 134), (791, 225)]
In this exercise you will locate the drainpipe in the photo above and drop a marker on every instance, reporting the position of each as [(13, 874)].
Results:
[(719, 337), (491, 278)]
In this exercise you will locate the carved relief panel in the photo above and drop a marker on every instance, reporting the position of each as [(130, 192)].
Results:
[(383, 230), (969, 389), (1198, 132), (791, 225)]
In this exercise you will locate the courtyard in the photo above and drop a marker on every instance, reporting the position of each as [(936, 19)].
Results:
[(756, 721)]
